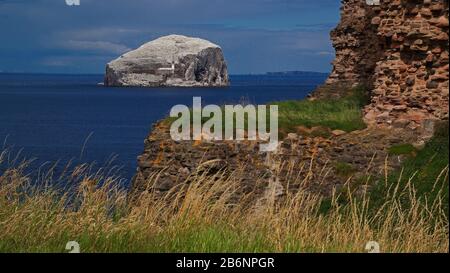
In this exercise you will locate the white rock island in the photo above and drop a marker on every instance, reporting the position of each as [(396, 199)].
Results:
[(172, 60)]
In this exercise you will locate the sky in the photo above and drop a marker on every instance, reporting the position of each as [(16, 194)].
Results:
[(257, 36)]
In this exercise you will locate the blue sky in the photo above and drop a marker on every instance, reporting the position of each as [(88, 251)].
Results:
[(257, 36)]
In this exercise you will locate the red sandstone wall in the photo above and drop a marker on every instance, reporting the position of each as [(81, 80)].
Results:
[(400, 49)]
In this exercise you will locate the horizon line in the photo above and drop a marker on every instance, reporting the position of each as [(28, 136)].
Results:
[(102, 74)]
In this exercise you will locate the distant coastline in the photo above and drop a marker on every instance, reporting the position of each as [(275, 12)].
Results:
[(287, 73), (297, 73)]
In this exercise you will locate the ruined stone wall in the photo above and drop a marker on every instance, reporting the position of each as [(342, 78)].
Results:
[(303, 161), (398, 48), (356, 43)]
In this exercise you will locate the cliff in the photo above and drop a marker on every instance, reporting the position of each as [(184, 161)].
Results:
[(399, 49), (173, 60)]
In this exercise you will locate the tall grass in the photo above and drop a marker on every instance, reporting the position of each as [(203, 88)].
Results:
[(207, 215)]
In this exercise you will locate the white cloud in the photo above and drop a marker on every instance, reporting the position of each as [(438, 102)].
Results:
[(74, 62), (99, 33), (324, 53), (97, 46), (57, 62)]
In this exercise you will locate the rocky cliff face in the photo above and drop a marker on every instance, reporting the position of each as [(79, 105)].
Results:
[(302, 162), (173, 60), (399, 48), (356, 43)]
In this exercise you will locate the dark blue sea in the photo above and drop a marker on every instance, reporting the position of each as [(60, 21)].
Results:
[(53, 118)]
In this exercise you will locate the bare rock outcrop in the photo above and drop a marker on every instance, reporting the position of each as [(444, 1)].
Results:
[(172, 60)]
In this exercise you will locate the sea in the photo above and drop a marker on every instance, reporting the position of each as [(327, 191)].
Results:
[(51, 120)]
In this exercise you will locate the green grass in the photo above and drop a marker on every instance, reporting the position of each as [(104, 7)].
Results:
[(402, 149), (200, 237), (427, 167), (337, 114), (425, 171), (344, 169)]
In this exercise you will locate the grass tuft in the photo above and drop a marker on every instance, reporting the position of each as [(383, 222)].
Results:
[(337, 114), (402, 149), (344, 169)]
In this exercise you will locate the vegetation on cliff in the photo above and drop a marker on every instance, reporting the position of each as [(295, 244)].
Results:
[(336, 114), (343, 113), (426, 170), (204, 217)]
